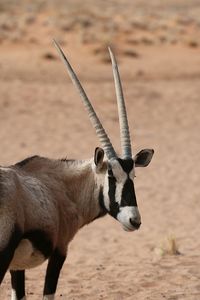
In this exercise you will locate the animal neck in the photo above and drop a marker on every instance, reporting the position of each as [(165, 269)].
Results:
[(83, 190)]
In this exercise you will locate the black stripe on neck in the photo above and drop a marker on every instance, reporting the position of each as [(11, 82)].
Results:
[(114, 206), (103, 210), (101, 199)]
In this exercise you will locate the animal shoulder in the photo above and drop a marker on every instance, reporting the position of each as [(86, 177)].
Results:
[(37, 164)]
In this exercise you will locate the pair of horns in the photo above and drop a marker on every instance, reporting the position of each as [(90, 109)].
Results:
[(100, 131)]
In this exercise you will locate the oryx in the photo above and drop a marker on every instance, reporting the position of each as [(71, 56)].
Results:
[(44, 202)]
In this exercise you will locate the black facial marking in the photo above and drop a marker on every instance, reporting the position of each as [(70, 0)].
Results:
[(114, 206), (7, 253), (128, 197), (18, 283), (136, 225), (53, 270), (40, 241), (128, 194), (126, 164), (25, 161)]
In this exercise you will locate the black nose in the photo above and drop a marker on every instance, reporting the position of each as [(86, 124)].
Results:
[(135, 224)]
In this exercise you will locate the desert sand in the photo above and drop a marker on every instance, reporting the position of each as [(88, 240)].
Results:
[(158, 49)]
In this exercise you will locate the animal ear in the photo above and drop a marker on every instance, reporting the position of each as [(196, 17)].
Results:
[(143, 158), (98, 157)]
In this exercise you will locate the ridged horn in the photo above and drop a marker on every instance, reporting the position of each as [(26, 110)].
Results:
[(100, 131), (123, 120)]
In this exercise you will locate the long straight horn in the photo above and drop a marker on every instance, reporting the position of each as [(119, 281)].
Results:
[(103, 137), (123, 120)]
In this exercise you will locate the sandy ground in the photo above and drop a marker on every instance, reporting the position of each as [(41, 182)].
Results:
[(41, 113)]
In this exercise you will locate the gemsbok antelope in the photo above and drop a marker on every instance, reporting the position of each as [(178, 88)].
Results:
[(44, 202)]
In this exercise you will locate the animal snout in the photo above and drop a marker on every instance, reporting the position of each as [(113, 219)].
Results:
[(135, 223)]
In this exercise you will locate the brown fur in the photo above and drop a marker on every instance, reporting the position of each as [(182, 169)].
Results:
[(55, 196)]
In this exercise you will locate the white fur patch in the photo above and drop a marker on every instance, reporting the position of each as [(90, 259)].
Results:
[(118, 192), (117, 170), (26, 257), (105, 194), (125, 214), (14, 296), (120, 177)]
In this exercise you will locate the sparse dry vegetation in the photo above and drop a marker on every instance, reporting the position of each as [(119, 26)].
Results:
[(168, 247), (162, 26)]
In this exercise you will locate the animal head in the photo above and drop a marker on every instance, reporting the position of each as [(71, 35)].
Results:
[(117, 195)]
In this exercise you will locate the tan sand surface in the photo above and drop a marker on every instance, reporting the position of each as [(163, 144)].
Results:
[(158, 48)]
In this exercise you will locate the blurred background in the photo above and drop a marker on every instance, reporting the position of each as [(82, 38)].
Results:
[(157, 45)]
